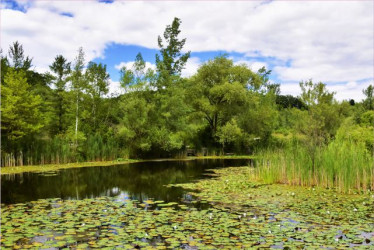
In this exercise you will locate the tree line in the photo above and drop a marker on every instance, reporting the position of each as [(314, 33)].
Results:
[(66, 115)]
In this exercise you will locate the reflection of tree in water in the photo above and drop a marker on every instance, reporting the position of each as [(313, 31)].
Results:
[(138, 180)]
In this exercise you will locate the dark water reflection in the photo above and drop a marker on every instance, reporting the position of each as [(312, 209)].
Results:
[(138, 181)]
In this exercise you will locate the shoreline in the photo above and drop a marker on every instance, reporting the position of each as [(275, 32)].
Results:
[(56, 167)]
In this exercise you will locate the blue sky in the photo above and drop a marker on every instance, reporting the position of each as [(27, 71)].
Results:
[(325, 41), (114, 54)]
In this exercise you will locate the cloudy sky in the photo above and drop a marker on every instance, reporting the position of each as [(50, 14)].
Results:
[(328, 41)]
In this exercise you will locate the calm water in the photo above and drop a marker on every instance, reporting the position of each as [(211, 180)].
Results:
[(138, 181)]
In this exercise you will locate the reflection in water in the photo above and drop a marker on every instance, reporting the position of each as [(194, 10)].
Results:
[(138, 181)]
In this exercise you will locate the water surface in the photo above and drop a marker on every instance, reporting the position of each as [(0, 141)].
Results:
[(138, 181)]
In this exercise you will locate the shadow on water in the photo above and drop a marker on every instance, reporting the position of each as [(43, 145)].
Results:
[(139, 181)]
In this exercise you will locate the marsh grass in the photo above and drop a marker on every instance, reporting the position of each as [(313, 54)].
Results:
[(60, 150), (343, 165)]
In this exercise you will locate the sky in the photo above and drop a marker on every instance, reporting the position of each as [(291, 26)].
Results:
[(327, 41)]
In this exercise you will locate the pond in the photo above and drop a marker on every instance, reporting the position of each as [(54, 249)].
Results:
[(136, 181), (177, 205)]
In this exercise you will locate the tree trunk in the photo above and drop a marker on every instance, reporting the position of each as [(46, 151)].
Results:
[(76, 122)]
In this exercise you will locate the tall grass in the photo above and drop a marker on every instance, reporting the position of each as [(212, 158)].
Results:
[(343, 164), (60, 150)]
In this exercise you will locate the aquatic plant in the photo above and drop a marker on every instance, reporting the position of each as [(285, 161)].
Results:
[(241, 215), (343, 164)]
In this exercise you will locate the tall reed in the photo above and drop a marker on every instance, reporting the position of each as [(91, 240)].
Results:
[(343, 164), (60, 150)]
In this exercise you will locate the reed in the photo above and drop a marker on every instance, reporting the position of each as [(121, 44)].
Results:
[(343, 164), (60, 150)]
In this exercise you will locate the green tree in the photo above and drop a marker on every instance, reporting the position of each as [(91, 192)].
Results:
[(228, 133), (4, 65), (322, 118), (20, 108), (219, 90), (138, 77), (98, 86), (138, 107), (172, 61), (61, 69), (369, 100), (78, 85)]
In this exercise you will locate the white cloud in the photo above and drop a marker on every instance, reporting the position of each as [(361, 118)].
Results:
[(290, 89), (344, 91), (253, 65), (115, 88), (191, 67), (327, 41), (350, 90)]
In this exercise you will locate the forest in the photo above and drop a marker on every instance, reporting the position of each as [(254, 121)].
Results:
[(66, 115)]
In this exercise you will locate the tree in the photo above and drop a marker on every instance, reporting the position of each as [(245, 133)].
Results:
[(4, 65), (218, 90), (78, 84), (98, 80), (172, 61), (228, 133), (369, 101), (289, 101), (20, 108), (61, 69), (138, 77), (17, 57), (322, 119)]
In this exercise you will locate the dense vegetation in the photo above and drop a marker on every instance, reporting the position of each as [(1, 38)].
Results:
[(67, 115)]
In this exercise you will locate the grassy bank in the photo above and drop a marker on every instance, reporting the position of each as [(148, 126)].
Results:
[(344, 165), (55, 167)]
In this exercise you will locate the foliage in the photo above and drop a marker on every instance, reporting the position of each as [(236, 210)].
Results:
[(172, 61), (20, 108), (289, 101), (17, 57), (67, 115), (369, 101)]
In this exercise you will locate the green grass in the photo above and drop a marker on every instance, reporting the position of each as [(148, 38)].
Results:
[(343, 165), (53, 167)]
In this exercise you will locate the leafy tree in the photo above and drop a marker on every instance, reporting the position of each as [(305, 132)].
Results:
[(369, 101), (4, 65), (78, 84), (218, 90), (289, 101), (98, 85), (322, 119), (20, 108), (172, 61), (138, 77), (228, 133)]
